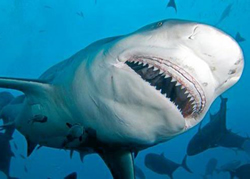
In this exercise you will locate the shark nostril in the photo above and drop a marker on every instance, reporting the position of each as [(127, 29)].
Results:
[(238, 62), (231, 72), (205, 84)]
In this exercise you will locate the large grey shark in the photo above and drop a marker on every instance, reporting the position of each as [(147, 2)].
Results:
[(130, 92)]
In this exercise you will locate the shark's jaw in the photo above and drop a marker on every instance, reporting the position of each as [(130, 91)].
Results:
[(172, 81)]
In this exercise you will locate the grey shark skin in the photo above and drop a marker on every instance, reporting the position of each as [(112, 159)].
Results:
[(161, 165), (215, 134), (110, 89)]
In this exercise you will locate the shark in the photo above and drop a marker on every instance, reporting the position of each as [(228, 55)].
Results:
[(129, 92), (162, 165), (172, 4), (215, 134), (6, 154)]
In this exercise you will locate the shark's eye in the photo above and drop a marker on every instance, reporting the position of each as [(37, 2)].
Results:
[(159, 24)]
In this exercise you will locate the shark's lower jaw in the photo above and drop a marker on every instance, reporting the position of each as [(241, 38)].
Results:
[(171, 81)]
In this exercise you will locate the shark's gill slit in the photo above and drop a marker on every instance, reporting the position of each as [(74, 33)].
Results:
[(168, 86)]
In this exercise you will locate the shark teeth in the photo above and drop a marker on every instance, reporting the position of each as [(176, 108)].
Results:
[(167, 85), (150, 66)]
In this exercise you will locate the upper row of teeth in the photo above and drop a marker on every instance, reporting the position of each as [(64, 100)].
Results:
[(172, 80)]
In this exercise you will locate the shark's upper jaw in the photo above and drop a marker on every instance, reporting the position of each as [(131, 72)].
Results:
[(172, 82)]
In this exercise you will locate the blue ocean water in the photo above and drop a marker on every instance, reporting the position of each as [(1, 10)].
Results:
[(36, 34)]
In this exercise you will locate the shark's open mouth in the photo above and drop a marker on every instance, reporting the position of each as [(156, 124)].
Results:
[(172, 81)]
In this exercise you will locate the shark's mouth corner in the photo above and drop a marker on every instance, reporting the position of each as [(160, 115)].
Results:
[(172, 82)]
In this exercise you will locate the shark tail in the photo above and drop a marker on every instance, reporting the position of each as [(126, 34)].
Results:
[(184, 164)]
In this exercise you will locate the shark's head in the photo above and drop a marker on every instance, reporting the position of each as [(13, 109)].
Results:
[(170, 71)]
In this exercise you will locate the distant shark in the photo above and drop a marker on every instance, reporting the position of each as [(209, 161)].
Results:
[(8, 112), (225, 13), (172, 4), (216, 134), (5, 154), (130, 92), (161, 165), (239, 38)]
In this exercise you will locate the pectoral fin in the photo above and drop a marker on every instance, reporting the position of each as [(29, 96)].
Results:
[(24, 85), (120, 163)]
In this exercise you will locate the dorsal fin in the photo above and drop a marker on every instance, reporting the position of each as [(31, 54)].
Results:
[(24, 85)]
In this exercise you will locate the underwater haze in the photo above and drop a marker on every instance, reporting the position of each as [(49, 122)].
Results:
[(36, 34)]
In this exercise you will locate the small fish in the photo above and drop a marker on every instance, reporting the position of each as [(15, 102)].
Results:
[(76, 132), (225, 13), (239, 38), (47, 7), (42, 31), (172, 4), (71, 176), (80, 14), (38, 119)]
